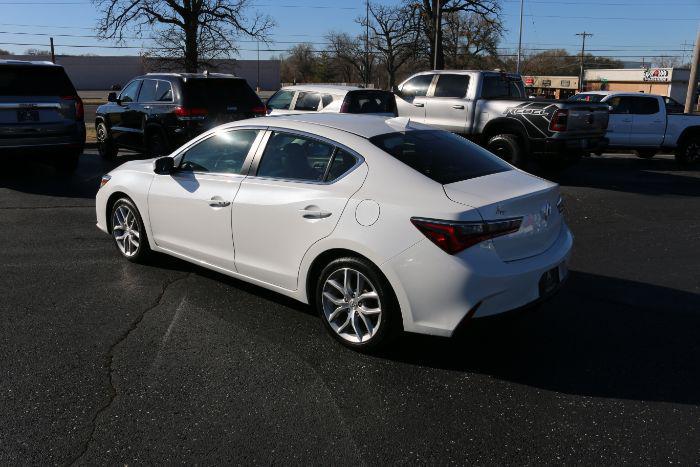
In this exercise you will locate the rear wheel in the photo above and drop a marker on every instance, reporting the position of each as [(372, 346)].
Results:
[(128, 231), (688, 153), (645, 153), (105, 145), (357, 305), (508, 148)]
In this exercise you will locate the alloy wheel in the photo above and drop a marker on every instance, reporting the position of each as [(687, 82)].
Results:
[(125, 230), (351, 305)]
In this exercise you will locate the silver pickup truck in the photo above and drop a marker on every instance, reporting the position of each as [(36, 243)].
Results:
[(491, 108), (648, 123)]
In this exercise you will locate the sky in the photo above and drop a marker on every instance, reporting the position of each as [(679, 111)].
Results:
[(624, 29)]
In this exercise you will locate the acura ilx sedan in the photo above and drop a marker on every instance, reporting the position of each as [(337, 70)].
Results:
[(380, 224)]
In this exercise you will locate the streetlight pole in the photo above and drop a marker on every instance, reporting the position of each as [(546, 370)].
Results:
[(520, 37), (583, 35)]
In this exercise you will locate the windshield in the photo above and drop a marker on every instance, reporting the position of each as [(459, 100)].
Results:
[(220, 92), (440, 155), (33, 80), (587, 97)]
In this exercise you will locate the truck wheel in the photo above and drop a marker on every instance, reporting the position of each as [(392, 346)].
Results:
[(105, 145), (646, 153), (507, 147), (689, 152)]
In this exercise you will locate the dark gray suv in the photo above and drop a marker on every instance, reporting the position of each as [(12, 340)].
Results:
[(40, 113)]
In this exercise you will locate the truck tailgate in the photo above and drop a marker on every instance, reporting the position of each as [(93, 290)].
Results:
[(587, 118)]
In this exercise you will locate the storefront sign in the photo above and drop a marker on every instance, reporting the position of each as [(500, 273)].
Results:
[(565, 83), (656, 74)]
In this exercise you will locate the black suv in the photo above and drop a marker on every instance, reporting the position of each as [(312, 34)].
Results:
[(159, 112), (40, 112)]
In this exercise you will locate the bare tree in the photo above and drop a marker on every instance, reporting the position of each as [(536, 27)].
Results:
[(469, 40), (300, 64), (394, 36), (427, 13), (666, 61), (190, 30), (350, 52)]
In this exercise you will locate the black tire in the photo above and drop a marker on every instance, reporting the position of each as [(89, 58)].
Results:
[(156, 145), (66, 162), (688, 153), (645, 153), (105, 144), (142, 251), (508, 148), (389, 324)]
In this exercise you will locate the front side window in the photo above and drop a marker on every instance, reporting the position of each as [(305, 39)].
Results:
[(451, 85), (295, 157), (130, 91), (619, 105), (221, 153), (308, 101), (440, 155), (417, 86), (281, 100)]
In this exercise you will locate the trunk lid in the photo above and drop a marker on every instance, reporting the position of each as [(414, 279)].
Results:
[(514, 194)]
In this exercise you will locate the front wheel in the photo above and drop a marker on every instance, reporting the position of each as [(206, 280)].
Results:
[(105, 144), (128, 231), (357, 305), (688, 153)]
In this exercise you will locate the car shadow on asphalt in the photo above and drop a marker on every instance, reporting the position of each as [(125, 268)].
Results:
[(657, 176), (600, 336)]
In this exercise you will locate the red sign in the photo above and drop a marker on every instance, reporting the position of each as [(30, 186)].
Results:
[(529, 81)]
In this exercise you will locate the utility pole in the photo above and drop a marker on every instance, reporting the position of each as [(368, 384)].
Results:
[(366, 43), (520, 38), (583, 35), (53, 56), (693, 80), (257, 84), (438, 23)]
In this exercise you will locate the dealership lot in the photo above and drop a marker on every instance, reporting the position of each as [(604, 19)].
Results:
[(109, 361)]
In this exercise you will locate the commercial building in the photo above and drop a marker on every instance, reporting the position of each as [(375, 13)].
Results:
[(551, 87), (670, 82)]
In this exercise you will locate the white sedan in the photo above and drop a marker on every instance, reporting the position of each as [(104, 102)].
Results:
[(379, 223)]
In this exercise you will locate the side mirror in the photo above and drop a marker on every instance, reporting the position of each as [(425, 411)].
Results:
[(164, 165), (112, 97)]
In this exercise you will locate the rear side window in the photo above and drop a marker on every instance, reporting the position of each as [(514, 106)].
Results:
[(148, 90), (342, 162), (295, 157), (164, 92), (281, 100), (417, 86), (587, 97), (308, 101), (645, 105), (451, 85), (28, 80), (218, 93), (363, 102), (501, 87), (440, 155)]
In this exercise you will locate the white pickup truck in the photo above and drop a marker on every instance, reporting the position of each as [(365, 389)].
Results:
[(648, 123)]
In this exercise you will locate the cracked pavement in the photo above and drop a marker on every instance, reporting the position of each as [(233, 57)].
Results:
[(107, 362)]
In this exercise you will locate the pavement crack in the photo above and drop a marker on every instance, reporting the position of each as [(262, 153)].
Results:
[(109, 359)]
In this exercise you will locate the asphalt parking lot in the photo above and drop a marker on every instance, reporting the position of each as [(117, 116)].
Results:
[(104, 361)]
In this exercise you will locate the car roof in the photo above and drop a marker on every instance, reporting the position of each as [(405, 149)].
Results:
[(363, 125), (327, 88), (28, 62), (190, 75)]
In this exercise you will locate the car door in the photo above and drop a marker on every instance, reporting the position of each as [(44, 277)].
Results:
[(446, 107), (648, 122), (299, 189), (619, 121), (412, 97), (190, 209), (124, 120)]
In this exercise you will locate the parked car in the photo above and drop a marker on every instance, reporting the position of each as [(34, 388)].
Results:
[(331, 98), (40, 112), (158, 112), (644, 123), (379, 223), (492, 109)]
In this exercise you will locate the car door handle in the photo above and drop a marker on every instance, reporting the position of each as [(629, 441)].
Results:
[(419, 104), (458, 106), (312, 212), (218, 202)]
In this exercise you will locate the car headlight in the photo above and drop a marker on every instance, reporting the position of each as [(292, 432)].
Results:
[(105, 179)]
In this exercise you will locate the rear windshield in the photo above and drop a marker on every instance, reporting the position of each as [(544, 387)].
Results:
[(28, 80), (220, 92), (587, 97), (440, 155), (363, 102)]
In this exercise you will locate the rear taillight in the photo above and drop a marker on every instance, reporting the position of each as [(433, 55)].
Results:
[(191, 113), (453, 237), (259, 110), (559, 120), (79, 108)]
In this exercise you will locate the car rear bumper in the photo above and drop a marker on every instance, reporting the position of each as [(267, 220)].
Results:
[(72, 140), (555, 147), (437, 291)]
